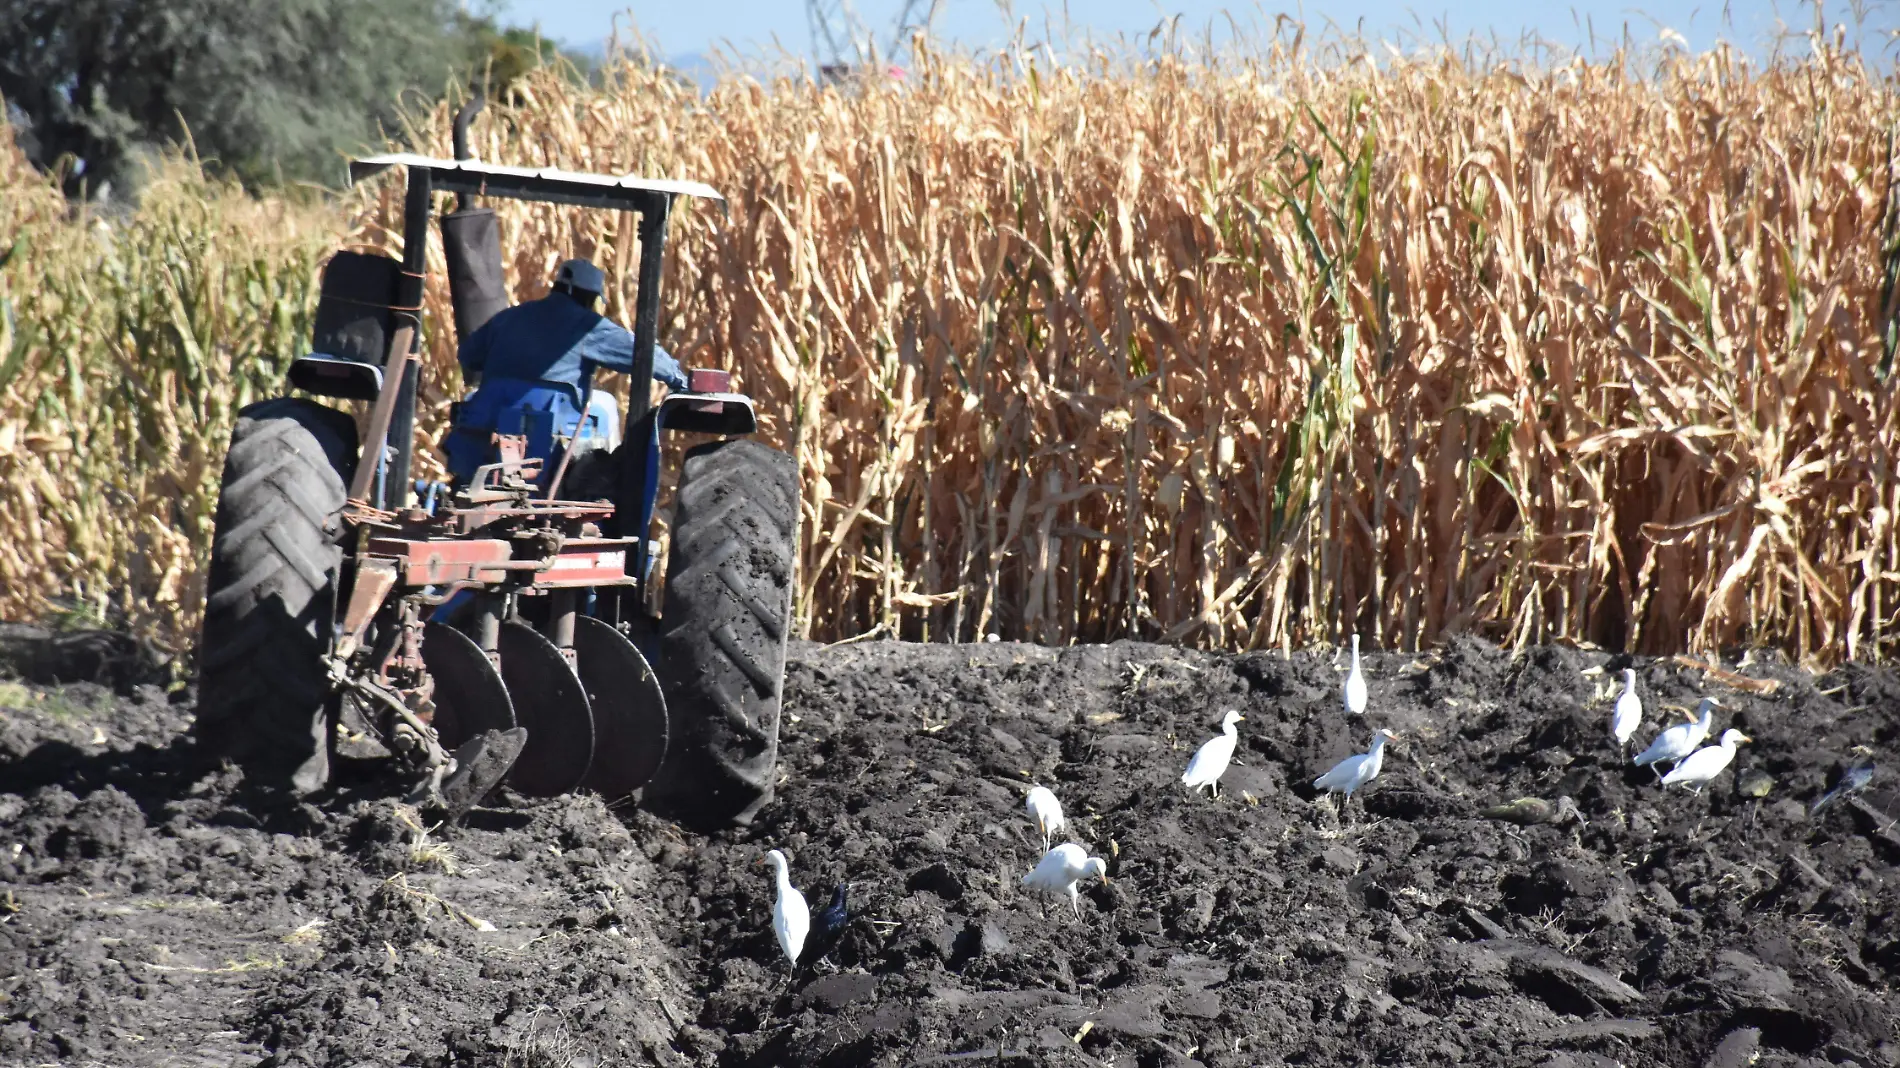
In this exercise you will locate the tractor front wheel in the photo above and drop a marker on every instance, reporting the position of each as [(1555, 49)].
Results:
[(722, 638), (275, 555)]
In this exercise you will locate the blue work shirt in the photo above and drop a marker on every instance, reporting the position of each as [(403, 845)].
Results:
[(555, 340), (535, 360)]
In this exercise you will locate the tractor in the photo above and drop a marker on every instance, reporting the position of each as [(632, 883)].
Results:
[(491, 629)]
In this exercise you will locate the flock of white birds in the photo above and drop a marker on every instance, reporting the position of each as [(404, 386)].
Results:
[(1064, 866)]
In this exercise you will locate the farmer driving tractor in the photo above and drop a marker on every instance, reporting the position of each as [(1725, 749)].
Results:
[(533, 366), (502, 615)]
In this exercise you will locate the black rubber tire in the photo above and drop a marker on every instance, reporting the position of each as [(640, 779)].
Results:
[(722, 637), (270, 598)]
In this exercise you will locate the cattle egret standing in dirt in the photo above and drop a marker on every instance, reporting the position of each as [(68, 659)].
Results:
[(1680, 740), (1061, 868), (791, 917), (1211, 759), (1629, 711), (1706, 763), (1046, 811), (1355, 771), (1355, 684)]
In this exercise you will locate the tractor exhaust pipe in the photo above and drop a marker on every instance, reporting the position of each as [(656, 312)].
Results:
[(462, 119), (476, 102)]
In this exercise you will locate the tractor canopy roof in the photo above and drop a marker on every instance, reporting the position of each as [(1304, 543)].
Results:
[(624, 192)]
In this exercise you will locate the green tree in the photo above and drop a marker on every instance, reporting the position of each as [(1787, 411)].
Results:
[(265, 89), (507, 53)]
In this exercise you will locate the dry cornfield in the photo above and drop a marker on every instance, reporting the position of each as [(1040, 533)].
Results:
[(1248, 353), (127, 344)]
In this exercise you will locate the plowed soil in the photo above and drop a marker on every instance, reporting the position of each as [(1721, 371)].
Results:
[(154, 911)]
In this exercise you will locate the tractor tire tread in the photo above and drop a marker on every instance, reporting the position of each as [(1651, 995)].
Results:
[(723, 636), (262, 690)]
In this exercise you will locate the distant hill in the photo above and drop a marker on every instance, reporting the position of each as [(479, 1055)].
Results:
[(693, 66), (696, 67)]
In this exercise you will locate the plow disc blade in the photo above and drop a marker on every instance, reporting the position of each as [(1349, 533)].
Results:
[(629, 710), (551, 703), (469, 695)]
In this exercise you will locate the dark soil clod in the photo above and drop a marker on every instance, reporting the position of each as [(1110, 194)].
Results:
[(1512, 891)]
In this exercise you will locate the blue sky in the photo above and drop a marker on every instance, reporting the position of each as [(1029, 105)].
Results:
[(753, 26)]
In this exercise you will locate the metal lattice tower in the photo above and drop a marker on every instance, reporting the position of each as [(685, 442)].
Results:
[(916, 15), (834, 33), (839, 39)]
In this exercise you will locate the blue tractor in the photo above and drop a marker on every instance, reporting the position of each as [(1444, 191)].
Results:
[(498, 628)]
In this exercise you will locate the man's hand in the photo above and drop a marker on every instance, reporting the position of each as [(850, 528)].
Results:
[(667, 369)]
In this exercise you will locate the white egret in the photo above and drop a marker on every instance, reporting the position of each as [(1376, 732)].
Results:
[(1355, 771), (1706, 763), (791, 917), (1629, 711), (1046, 811), (1680, 740), (1061, 868), (1355, 684), (1211, 759)]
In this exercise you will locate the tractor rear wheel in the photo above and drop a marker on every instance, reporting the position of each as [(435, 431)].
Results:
[(722, 637), (270, 598)]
